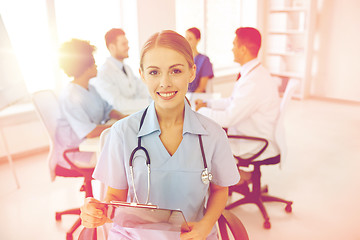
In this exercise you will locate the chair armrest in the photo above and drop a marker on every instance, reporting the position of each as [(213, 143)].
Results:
[(249, 159), (72, 165), (236, 227)]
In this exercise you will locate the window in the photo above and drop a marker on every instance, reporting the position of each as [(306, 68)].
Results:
[(37, 29), (91, 19), (28, 33), (217, 21)]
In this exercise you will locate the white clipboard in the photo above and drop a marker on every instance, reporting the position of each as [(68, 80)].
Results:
[(142, 216)]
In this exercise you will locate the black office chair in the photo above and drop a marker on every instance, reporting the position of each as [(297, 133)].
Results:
[(47, 107), (226, 221), (258, 195)]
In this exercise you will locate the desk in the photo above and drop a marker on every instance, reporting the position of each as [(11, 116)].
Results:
[(10, 116), (90, 145), (203, 96)]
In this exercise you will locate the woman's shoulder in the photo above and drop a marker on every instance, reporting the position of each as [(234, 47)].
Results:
[(70, 94), (202, 56), (203, 61)]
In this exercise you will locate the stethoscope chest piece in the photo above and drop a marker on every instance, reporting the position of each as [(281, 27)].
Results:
[(206, 176)]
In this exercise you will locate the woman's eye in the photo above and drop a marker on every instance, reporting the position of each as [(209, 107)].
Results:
[(153, 72), (176, 71)]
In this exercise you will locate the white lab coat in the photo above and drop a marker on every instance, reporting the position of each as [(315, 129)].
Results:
[(125, 92), (251, 110)]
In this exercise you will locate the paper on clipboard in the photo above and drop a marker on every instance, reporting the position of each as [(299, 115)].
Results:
[(133, 215)]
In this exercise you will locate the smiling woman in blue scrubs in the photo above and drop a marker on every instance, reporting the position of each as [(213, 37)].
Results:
[(170, 133)]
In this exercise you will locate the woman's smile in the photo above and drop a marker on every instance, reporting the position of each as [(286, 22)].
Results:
[(167, 95)]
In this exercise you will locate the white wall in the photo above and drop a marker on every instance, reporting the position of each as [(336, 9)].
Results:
[(23, 131), (337, 51), (154, 16)]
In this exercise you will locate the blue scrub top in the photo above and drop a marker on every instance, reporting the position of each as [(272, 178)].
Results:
[(175, 181), (81, 110), (203, 69)]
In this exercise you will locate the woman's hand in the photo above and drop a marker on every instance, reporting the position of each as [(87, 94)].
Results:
[(198, 231), (93, 214), (216, 204), (199, 104)]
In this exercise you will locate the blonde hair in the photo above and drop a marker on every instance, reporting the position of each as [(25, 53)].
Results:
[(168, 39)]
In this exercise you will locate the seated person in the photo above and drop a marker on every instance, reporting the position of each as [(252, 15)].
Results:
[(83, 112), (254, 105), (182, 144), (115, 82), (204, 70)]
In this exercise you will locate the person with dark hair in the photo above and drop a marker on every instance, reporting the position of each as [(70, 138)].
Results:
[(116, 82), (204, 70), (83, 112), (185, 149), (254, 104)]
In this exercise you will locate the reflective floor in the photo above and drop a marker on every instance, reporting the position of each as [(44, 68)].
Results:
[(319, 175)]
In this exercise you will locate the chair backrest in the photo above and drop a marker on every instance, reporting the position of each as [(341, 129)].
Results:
[(48, 109), (280, 128)]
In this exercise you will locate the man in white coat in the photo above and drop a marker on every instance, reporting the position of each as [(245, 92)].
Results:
[(254, 105), (115, 81)]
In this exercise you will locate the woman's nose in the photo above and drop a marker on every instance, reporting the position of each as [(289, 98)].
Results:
[(165, 80)]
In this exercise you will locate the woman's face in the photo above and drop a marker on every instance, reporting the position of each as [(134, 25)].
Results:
[(91, 71), (190, 37), (167, 75)]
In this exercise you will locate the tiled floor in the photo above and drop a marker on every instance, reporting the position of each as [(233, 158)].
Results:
[(319, 175)]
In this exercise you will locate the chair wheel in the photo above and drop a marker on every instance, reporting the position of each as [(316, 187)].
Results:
[(267, 225), (69, 236), (288, 208), (58, 216)]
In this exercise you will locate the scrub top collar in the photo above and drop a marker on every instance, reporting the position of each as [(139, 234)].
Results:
[(192, 124)]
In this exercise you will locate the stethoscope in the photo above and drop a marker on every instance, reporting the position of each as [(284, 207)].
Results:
[(206, 176)]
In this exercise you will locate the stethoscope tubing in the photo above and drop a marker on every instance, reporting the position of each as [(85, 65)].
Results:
[(206, 176), (138, 148)]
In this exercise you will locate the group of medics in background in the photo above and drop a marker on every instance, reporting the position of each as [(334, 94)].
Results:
[(174, 135)]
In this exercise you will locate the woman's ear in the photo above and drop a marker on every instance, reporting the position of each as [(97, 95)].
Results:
[(193, 73), (141, 75)]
